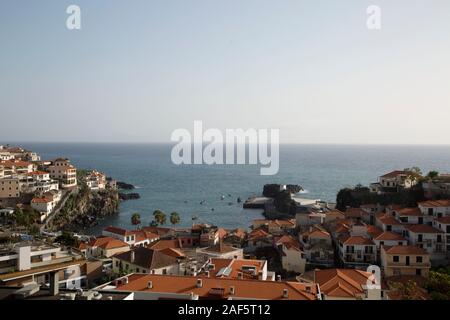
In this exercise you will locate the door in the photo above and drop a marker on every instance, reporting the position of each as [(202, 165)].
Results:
[(407, 260)]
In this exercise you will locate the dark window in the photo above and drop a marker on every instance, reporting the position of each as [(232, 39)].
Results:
[(419, 259), (395, 259)]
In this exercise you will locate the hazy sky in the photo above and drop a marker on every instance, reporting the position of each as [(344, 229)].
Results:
[(137, 70)]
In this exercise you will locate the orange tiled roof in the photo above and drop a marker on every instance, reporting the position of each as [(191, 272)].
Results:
[(374, 231), (342, 283), (354, 213), (409, 212), (404, 250), (15, 163), (35, 173), (422, 228), (173, 252), (220, 288), (356, 240), (394, 174), (258, 234), (444, 220), (120, 231), (289, 242), (107, 243), (142, 235), (388, 235), (164, 244), (388, 220), (435, 203), (41, 200)]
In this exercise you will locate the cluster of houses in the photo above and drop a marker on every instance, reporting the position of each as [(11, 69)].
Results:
[(320, 254), (26, 180)]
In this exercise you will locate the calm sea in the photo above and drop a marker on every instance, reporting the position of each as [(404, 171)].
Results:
[(321, 169)]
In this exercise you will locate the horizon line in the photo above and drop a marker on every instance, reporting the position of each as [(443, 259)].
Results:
[(281, 143)]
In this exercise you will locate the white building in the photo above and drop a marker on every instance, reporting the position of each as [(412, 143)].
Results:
[(435, 208), (429, 238), (44, 206)]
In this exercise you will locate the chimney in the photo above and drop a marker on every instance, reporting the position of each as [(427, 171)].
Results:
[(149, 285), (54, 283), (132, 256), (285, 293), (207, 273), (278, 277), (199, 283), (232, 290)]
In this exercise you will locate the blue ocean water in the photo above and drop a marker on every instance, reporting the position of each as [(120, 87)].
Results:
[(321, 169)]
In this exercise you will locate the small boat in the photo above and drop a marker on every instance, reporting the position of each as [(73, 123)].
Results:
[(239, 200), (222, 197)]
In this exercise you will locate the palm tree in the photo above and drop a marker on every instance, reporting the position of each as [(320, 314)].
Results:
[(136, 219), (160, 217), (432, 175), (174, 218)]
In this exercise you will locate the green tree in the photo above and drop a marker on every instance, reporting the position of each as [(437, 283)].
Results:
[(438, 284), (33, 230), (432, 175), (408, 290), (159, 217), (174, 218), (136, 219), (67, 239), (414, 174)]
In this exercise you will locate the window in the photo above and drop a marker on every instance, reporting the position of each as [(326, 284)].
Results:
[(419, 259), (395, 258)]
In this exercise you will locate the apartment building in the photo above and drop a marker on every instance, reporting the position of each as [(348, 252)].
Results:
[(292, 256), (62, 170), (443, 224), (103, 247), (405, 261), (429, 238), (96, 180), (435, 208), (317, 246), (121, 234), (26, 262), (145, 260), (357, 250)]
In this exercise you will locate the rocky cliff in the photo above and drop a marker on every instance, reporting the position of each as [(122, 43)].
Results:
[(84, 209)]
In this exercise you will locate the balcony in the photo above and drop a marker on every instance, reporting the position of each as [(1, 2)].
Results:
[(409, 265)]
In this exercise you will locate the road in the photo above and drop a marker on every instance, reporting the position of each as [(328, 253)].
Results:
[(59, 206)]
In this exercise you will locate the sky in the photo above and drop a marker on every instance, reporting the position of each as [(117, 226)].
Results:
[(139, 69)]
